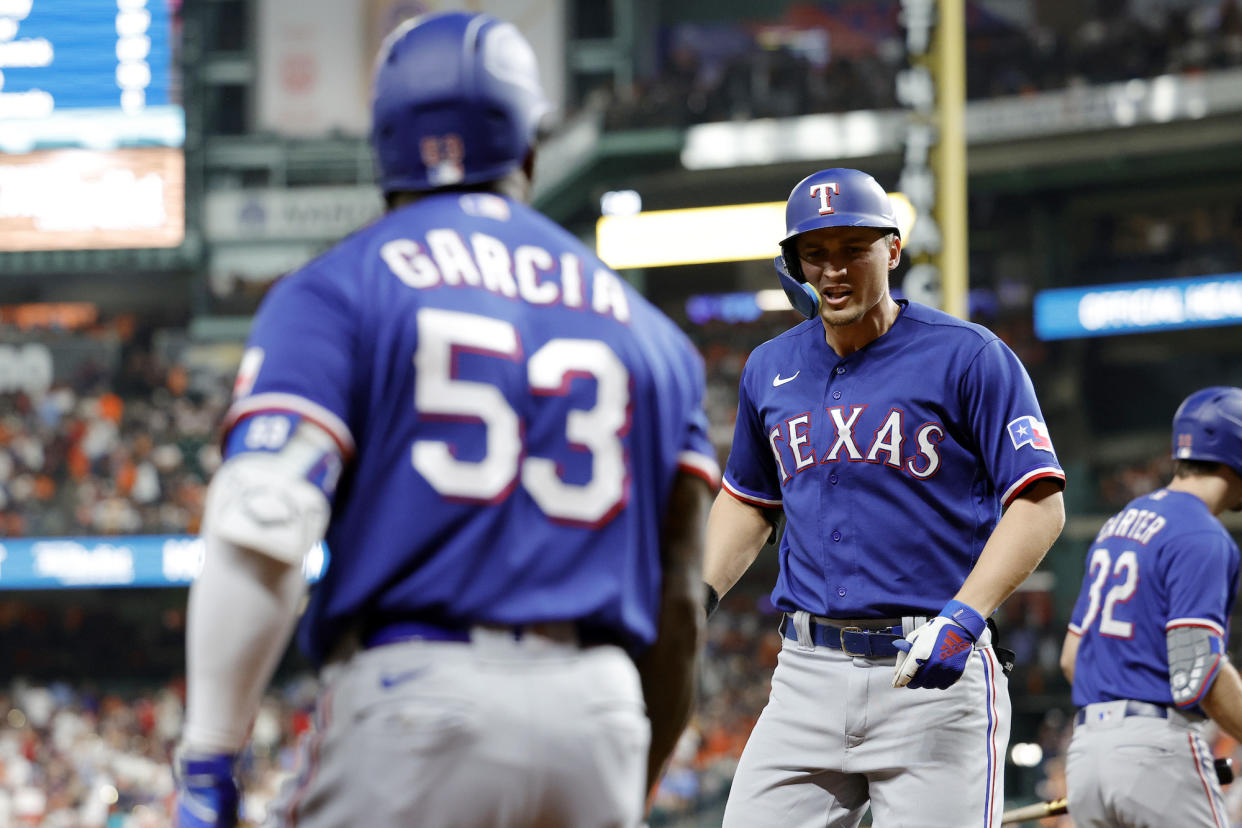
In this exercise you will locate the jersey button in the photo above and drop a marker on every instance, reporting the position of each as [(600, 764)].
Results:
[(832, 478), (836, 395), (836, 536), (841, 591), (840, 369)]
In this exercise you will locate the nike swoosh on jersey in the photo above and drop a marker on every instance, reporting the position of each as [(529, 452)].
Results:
[(778, 380), (391, 680)]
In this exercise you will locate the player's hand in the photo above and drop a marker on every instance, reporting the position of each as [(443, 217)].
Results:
[(206, 791), (935, 654)]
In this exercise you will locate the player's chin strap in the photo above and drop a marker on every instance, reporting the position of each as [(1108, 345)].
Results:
[(802, 296)]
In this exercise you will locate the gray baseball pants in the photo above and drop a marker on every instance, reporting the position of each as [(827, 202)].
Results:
[(491, 733)]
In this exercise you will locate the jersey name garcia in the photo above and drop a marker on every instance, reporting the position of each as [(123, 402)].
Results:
[(511, 415), (892, 464)]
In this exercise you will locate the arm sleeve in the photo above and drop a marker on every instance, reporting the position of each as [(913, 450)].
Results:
[(697, 456), (1078, 616), (1006, 422), (751, 474), (241, 614), (301, 355), (1200, 571)]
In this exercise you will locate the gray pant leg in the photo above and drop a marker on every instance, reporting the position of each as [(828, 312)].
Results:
[(500, 734)]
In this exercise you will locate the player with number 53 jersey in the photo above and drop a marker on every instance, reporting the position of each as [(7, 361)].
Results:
[(503, 445)]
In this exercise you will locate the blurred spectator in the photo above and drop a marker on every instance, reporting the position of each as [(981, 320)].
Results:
[(110, 452), (846, 55)]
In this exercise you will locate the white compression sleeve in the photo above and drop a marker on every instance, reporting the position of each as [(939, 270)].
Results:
[(242, 611)]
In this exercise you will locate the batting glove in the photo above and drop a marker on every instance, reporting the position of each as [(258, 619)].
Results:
[(935, 654), (206, 791)]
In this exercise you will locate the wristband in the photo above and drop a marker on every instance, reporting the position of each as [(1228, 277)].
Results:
[(966, 617)]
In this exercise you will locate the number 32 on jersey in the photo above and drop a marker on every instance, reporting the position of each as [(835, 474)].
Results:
[(438, 394), (1123, 574)]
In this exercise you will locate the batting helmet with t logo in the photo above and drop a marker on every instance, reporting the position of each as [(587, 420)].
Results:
[(838, 197)]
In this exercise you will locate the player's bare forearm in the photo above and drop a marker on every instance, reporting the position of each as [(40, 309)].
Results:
[(668, 666), (1069, 654), (1018, 543), (736, 531), (1223, 702)]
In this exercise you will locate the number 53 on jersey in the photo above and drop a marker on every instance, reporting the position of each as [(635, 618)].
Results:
[(506, 463)]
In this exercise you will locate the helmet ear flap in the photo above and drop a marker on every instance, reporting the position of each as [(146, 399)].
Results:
[(802, 296)]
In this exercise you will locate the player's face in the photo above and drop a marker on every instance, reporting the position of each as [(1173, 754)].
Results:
[(849, 266)]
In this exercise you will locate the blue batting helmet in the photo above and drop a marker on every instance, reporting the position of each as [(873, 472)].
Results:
[(456, 101), (1208, 426), (839, 197)]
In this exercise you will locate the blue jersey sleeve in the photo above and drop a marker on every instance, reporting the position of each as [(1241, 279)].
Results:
[(751, 473), (1006, 422), (1201, 574), (300, 356), (697, 455), (1083, 605)]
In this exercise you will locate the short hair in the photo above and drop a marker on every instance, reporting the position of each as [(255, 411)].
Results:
[(1194, 468)]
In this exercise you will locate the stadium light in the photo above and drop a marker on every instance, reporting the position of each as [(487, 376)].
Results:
[(702, 235)]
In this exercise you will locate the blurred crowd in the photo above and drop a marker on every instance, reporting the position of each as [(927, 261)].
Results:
[(83, 747), (74, 756), (846, 55), (108, 451)]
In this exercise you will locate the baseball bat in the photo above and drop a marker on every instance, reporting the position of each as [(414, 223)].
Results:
[(1039, 810)]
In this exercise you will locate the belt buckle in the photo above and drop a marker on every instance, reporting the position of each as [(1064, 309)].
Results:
[(846, 649)]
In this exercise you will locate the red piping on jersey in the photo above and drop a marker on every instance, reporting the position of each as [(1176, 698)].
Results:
[(1209, 627), (1050, 473), (750, 501), (697, 471)]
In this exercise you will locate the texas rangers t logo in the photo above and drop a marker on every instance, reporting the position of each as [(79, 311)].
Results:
[(825, 192)]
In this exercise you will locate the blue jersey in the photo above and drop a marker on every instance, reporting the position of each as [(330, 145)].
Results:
[(511, 415), (892, 463), (1162, 562)]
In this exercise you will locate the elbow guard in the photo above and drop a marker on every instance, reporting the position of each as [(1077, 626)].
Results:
[(1195, 654), (274, 495)]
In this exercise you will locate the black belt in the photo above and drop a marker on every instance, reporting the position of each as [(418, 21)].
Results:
[(849, 639), (394, 632), (1132, 708)]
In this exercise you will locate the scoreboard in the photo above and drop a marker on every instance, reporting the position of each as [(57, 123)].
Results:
[(92, 127)]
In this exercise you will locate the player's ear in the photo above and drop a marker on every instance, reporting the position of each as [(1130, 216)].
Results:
[(894, 251)]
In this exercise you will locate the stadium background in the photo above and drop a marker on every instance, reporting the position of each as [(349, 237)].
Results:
[(163, 161)]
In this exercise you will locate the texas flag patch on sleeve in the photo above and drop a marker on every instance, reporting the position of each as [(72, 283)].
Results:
[(1030, 431)]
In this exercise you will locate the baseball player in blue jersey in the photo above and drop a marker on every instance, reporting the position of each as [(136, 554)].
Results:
[(1145, 650), (919, 485), (504, 447)]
